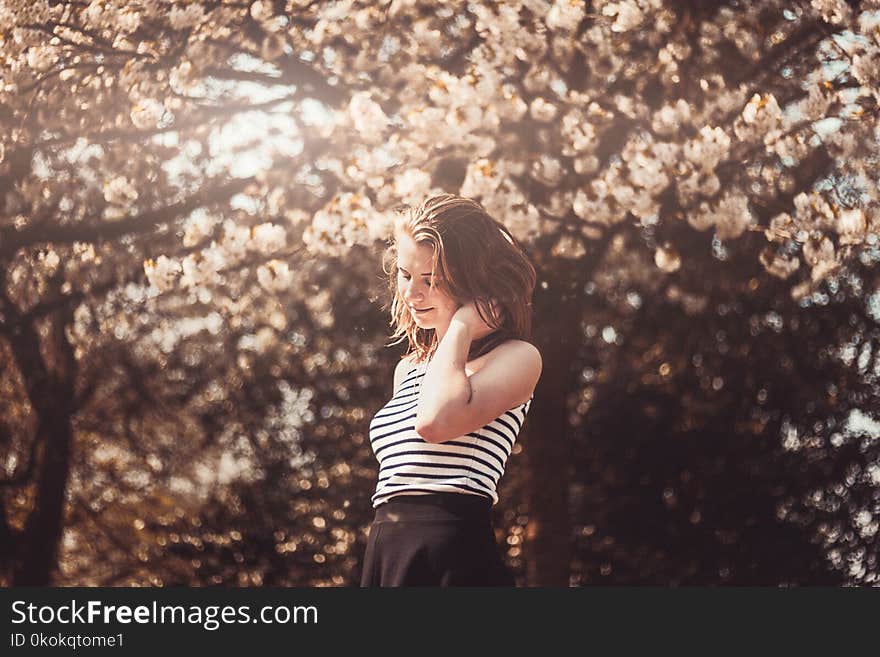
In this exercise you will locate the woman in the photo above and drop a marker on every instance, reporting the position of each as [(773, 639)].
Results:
[(461, 290)]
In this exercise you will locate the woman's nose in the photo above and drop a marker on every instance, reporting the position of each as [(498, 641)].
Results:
[(413, 291)]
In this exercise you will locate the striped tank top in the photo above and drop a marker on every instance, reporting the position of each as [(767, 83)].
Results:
[(471, 464)]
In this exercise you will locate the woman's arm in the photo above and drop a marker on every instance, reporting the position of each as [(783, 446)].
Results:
[(445, 387), (452, 404), (509, 377)]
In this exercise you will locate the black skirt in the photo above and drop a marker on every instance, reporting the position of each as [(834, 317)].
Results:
[(438, 539)]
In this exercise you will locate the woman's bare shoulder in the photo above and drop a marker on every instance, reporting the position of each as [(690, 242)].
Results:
[(517, 346), (404, 365), (407, 362), (523, 354)]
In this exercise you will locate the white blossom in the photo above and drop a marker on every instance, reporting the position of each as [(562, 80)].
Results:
[(482, 178), (668, 119), (733, 216), (696, 184), (851, 226), (760, 116), (627, 13), (262, 10), (42, 58), (507, 37), (818, 250), (781, 228), (867, 525), (647, 172), (162, 272), (182, 77), (147, 113), (578, 132), (627, 105), (866, 68), (820, 256), (200, 269), (701, 218), (594, 210), (263, 339), (429, 39), (346, 220), (367, 116), (187, 16), (510, 206), (412, 185), (120, 191), (468, 118), (199, 226), (667, 259), (268, 237), (50, 260), (812, 210), (586, 165), (672, 53), (708, 149), (127, 19), (623, 194), (512, 106), (114, 213), (666, 152), (541, 110), (644, 205), (779, 266), (95, 14), (275, 276), (816, 104), (565, 15), (235, 239), (548, 169), (833, 11)]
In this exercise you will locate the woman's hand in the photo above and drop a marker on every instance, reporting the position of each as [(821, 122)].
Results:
[(468, 315)]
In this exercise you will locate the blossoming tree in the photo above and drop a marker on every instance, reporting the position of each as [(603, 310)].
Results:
[(177, 179)]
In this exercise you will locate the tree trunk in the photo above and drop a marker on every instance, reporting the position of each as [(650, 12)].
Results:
[(51, 391), (42, 535), (547, 449)]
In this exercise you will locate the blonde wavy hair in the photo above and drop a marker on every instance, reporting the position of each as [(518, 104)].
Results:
[(475, 257)]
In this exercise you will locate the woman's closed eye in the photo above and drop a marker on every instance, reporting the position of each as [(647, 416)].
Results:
[(426, 280)]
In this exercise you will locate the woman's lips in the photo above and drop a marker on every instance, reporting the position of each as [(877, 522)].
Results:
[(421, 312)]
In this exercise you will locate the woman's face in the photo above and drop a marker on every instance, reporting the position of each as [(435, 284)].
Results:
[(417, 289)]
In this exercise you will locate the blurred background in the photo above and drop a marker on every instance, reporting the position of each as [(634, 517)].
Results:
[(194, 201)]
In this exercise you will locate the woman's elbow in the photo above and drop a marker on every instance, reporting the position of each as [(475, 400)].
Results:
[(427, 431)]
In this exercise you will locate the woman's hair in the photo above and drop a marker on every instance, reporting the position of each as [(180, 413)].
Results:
[(475, 257)]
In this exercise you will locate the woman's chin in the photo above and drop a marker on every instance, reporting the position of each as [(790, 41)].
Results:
[(431, 319), (426, 322)]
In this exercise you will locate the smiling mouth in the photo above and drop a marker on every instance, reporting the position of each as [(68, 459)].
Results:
[(422, 311)]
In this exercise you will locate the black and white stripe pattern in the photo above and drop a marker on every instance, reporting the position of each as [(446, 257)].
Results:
[(470, 464)]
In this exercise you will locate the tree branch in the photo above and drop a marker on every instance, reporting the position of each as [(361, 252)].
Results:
[(12, 240)]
